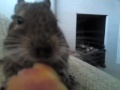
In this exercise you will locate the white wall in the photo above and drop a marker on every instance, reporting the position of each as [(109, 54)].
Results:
[(118, 50), (66, 14), (7, 7)]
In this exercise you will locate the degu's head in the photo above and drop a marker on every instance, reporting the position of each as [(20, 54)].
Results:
[(34, 34)]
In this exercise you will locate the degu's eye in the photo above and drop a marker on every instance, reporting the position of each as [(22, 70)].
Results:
[(19, 20)]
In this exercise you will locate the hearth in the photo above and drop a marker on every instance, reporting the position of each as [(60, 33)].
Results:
[(90, 35)]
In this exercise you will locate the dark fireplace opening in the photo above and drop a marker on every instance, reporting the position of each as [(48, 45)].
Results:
[(90, 35)]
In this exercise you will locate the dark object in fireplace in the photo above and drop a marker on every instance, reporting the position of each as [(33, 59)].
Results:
[(91, 55)]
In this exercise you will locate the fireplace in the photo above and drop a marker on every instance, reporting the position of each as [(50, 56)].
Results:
[(90, 35)]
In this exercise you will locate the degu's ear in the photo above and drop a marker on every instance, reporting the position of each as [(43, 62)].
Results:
[(18, 4), (48, 3), (20, 1)]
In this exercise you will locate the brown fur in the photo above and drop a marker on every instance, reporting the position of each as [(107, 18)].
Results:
[(35, 27)]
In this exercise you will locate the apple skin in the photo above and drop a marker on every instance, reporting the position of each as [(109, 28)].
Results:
[(40, 77)]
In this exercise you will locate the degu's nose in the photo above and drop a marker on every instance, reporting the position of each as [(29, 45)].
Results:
[(43, 51)]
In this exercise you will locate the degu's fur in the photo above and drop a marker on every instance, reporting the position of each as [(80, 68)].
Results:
[(34, 37)]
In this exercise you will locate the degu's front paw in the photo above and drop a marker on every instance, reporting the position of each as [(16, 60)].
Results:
[(71, 82), (2, 87)]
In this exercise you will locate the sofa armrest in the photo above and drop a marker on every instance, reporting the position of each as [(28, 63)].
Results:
[(90, 77)]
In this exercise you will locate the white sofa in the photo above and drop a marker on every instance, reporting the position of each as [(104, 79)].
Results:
[(4, 23), (88, 77)]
